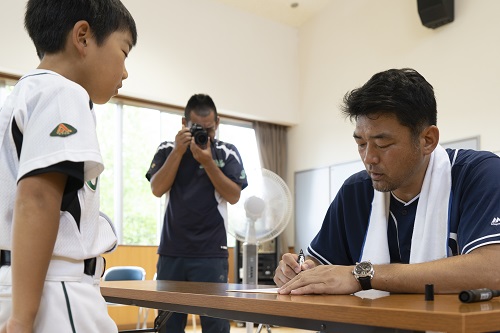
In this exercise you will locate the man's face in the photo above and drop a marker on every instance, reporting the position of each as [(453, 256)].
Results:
[(209, 123), (392, 157)]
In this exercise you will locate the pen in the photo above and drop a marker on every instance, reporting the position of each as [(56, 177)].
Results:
[(301, 259)]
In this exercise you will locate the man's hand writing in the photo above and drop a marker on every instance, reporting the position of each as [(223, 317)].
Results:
[(288, 268), (323, 279)]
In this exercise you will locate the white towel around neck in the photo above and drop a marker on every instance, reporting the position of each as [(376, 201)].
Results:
[(430, 232)]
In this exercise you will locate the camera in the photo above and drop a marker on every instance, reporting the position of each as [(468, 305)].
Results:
[(200, 134)]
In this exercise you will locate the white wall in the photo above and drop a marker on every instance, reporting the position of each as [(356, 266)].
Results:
[(263, 70), (352, 40), (17, 53), (249, 65)]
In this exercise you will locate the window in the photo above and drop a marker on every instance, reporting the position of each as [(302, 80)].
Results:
[(106, 131), (242, 135), (128, 137), (5, 89)]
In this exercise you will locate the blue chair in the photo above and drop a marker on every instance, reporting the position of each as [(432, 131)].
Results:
[(124, 273)]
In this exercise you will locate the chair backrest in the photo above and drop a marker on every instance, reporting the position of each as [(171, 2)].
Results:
[(120, 273)]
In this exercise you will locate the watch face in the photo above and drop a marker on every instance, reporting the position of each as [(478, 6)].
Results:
[(363, 268)]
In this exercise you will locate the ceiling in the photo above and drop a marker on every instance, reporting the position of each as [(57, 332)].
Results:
[(290, 12)]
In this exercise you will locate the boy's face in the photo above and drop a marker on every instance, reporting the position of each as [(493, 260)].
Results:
[(106, 66)]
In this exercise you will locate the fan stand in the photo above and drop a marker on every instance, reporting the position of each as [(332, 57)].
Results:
[(250, 262), (250, 276), (250, 269), (268, 328), (274, 193), (254, 207)]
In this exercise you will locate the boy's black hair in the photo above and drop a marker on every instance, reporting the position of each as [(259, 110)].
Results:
[(402, 92), (48, 22), (200, 104)]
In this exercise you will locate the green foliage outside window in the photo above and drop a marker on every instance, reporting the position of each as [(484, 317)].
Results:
[(141, 137), (140, 209), (106, 134)]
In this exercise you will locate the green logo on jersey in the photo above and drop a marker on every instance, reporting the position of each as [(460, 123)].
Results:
[(220, 163), (63, 130), (92, 184)]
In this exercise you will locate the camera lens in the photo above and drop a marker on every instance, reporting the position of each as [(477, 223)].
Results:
[(201, 137), (200, 134)]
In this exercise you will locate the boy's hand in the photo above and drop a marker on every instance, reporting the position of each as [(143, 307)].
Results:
[(11, 326)]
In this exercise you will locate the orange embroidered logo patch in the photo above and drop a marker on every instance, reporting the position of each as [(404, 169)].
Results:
[(63, 130)]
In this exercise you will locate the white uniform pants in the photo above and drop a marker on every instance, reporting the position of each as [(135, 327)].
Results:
[(71, 301)]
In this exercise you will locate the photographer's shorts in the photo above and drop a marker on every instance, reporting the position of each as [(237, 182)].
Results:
[(71, 301)]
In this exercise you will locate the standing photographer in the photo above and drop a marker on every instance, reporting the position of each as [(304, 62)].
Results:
[(199, 175)]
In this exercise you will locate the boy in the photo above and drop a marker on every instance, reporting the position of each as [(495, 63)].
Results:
[(51, 234)]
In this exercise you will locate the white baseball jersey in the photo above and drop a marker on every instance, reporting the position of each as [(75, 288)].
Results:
[(48, 120)]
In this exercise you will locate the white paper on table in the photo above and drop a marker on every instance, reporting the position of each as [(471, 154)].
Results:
[(258, 290), (372, 294)]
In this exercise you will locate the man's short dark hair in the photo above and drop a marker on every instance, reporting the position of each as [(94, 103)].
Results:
[(48, 22), (200, 104), (402, 92)]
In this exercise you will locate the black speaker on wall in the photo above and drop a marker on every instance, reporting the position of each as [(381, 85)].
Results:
[(435, 13)]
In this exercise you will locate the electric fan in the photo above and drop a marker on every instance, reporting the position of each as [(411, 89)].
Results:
[(261, 214)]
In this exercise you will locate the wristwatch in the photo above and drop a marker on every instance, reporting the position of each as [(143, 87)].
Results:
[(363, 272)]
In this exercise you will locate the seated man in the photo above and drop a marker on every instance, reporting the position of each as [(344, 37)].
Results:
[(417, 203)]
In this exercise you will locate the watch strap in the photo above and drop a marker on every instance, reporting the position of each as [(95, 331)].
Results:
[(365, 282)]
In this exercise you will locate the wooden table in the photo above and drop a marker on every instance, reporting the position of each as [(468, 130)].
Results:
[(325, 313)]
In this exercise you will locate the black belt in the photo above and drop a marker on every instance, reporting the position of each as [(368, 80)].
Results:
[(4, 258), (89, 264)]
